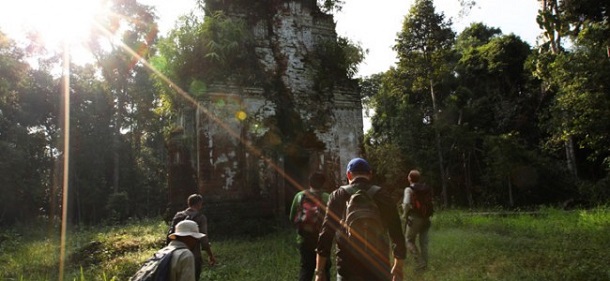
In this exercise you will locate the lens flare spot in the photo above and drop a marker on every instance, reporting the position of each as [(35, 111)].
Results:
[(241, 115)]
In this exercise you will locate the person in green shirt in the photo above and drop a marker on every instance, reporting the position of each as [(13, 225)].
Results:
[(307, 213)]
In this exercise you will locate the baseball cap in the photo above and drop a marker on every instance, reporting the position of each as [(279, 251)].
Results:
[(358, 165)]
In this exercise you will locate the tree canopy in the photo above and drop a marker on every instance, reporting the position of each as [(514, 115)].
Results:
[(497, 111), (487, 118)]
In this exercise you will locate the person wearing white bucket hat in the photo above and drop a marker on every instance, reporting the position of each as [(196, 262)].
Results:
[(194, 212), (174, 262), (187, 228), (184, 239)]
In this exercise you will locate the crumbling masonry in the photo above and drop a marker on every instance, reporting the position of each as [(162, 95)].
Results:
[(249, 149)]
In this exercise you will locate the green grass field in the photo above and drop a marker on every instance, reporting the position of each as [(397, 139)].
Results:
[(548, 245)]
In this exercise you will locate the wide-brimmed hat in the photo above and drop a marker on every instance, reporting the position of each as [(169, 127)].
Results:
[(187, 228)]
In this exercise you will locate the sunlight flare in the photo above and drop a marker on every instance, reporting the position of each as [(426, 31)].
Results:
[(59, 20)]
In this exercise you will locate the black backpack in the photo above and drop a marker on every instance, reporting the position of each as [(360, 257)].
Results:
[(421, 200), (180, 216), (310, 213), (364, 228), (156, 268)]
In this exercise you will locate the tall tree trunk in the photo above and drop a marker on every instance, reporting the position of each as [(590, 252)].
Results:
[(437, 135), (511, 201), (117, 137), (571, 156), (554, 37), (115, 154), (467, 179)]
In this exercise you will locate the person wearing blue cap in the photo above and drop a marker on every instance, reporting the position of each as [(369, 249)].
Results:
[(360, 258)]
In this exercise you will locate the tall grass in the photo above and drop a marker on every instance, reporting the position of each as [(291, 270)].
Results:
[(549, 245)]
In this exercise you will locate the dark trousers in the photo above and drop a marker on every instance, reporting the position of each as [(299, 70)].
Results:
[(355, 265), (198, 262), (308, 262), (360, 272)]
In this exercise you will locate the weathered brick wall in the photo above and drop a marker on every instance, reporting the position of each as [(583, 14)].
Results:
[(240, 155)]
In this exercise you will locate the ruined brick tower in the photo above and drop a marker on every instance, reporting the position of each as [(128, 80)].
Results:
[(252, 146)]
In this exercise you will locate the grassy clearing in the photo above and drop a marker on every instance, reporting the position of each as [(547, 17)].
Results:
[(551, 245)]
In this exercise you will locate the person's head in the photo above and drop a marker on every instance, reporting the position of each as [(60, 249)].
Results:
[(317, 180), (187, 231), (195, 201), (358, 168), (414, 176)]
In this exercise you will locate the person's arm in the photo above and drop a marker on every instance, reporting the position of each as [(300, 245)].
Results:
[(399, 248), (327, 234), (211, 257), (406, 202), (391, 218), (397, 272), (205, 241), (320, 275), (330, 225)]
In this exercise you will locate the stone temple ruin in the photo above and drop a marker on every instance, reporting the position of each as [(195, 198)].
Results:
[(248, 149)]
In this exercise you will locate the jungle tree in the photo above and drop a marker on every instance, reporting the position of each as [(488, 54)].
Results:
[(424, 48), (572, 73)]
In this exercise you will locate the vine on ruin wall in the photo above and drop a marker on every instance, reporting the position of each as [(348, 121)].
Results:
[(220, 49)]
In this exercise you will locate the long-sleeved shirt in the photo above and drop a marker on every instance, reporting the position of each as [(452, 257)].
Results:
[(406, 200), (336, 211), (202, 222), (182, 263)]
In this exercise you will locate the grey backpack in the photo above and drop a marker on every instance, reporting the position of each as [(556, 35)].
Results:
[(364, 229), (156, 268)]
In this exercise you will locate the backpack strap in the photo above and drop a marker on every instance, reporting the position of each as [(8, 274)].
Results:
[(351, 189), (166, 250), (164, 269), (373, 190), (303, 196), (196, 215), (180, 216)]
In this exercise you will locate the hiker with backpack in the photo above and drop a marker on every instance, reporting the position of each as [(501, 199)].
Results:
[(307, 213), (174, 262), (359, 217), (418, 208), (194, 213)]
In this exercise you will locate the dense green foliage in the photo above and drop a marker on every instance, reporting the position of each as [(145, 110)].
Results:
[(210, 50), (491, 120), (121, 112), (116, 135), (28, 128), (546, 245)]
